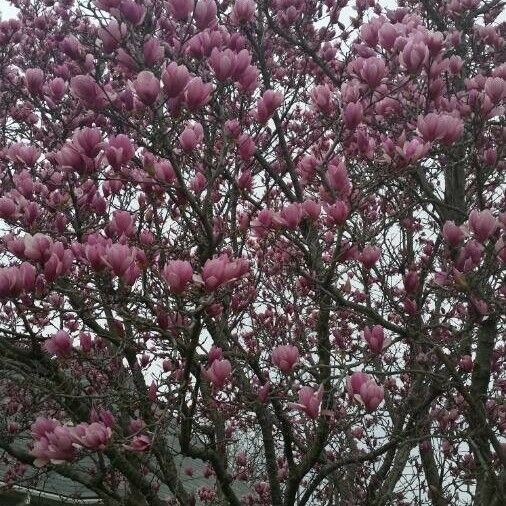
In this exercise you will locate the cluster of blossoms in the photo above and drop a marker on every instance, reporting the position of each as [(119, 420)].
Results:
[(57, 443), (267, 236)]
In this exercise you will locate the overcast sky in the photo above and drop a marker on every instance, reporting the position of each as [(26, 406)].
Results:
[(6, 10)]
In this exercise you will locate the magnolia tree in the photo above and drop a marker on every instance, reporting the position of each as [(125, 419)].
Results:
[(269, 237)]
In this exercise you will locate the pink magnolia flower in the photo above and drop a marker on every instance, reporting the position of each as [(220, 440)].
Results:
[(42, 426), (371, 395), (355, 381), (387, 35), (232, 127), (152, 51), (164, 171), (34, 79), (364, 389), (243, 11), (94, 436), (59, 261), (177, 274), (309, 401), (175, 78), (321, 96), (27, 275), (452, 233), (483, 224), (139, 443), (369, 256), (10, 281), (495, 88), (291, 215), (198, 183), (247, 147), (23, 153), (372, 71), (58, 344), (180, 9), (205, 14), (103, 416), (353, 114), (132, 11), (218, 373), (197, 93), (336, 213), (56, 89), (245, 180), (285, 357), (122, 223), (414, 55), (118, 257), (337, 178), (267, 105), (55, 446), (440, 127), (147, 87), (88, 141), (469, 256), (375, 338), (8, 208), (223, 63), (71, 47), (88, 92), (119, 150), (136, 425), (191, 136), (311, 209), (111, 35), (242, 62), (413, 150), (249, 79), (220, 270), (411, 282), (215, 353), (85, 342)]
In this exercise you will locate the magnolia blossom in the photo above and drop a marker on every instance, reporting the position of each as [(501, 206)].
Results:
[(177, 273), (375, 338), (147, 87), (55, 446), (267, 105), (94, 436), (364, 389), (139, 443), (191, 136), (285, 357), (483, 224), (243, 11), (452, 233), (197, 93), (175, 78), (218, 373), (58, 344), (119, 150), (221, 270), (369, 256), (309, 401)]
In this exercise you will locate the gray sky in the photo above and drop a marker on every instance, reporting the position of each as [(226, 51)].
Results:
[(6, 10)]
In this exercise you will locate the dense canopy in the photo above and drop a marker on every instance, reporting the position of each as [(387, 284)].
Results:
[(266, 236)]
